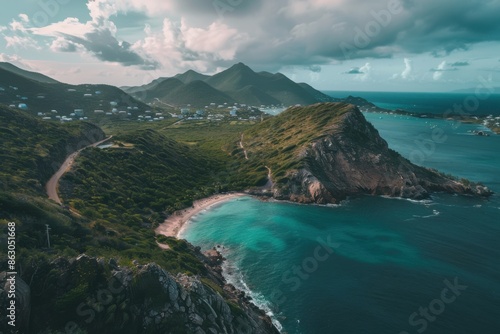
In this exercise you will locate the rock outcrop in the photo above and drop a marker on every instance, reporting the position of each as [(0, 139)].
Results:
[(98, 296), (344, 156)]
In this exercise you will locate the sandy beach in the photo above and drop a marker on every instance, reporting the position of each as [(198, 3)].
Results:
[(172, 226)]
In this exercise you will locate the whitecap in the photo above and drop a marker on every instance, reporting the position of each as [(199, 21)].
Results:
[(234, 276)]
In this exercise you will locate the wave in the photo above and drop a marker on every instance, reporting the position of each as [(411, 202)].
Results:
[(233, 275), (421, 201)]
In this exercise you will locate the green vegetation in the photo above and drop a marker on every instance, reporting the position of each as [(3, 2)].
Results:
[(117, 196), (31, 150), (278, 142), (41, 94), (114, 198), (236, 84)]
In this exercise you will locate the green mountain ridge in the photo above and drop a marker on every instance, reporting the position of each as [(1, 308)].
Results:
[(238, 83), (27, 74), (41, 96)]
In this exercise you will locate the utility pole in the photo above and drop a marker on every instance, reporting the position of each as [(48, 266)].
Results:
[(48, 235)]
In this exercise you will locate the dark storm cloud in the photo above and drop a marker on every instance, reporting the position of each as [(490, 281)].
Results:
[(103, 45), (220, 8), (443, 69), (315, 68), (354, 70), (302, 33), (460, 64)]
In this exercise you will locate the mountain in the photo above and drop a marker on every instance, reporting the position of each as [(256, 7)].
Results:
[(252, 95), (327, 152), (16, 87), (190, 76), (158, 89), (204, 95), (27, 74), (277, 86), (238, 83), (174, 92)]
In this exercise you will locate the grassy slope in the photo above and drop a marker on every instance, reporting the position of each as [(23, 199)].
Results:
[(28, 146), (57, 96), (32, 150), (278, 141), (27, 74)]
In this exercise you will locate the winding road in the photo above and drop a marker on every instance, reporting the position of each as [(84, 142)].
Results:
[(53, 183)]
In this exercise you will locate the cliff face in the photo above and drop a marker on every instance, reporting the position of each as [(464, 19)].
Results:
[(348, 157), (98, 296)]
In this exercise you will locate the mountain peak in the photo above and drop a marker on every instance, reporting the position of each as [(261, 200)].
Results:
[(240, 66)]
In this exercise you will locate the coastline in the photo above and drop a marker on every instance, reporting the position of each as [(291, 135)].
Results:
[(174, 224)]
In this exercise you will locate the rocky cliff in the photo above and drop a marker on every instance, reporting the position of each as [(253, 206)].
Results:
[(92, 295), (327, 152)]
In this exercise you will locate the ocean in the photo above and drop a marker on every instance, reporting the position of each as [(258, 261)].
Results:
[(482, 103), (374, 264)]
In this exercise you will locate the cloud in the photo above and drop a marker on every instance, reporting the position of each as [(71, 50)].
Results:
[(17, 35), (460, 64), (61, 44), (97, 37), (207, 35), (218, 40), (406, 74), (24, 18), (354, 70), (14, 59), (315, 68), (361, 73), (366, 71), (443, 67), (199, 48)]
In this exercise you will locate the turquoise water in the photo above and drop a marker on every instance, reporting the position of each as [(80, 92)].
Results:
[(368, 265)]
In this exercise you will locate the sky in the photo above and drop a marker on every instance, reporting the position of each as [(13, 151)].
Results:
[(353, 45)]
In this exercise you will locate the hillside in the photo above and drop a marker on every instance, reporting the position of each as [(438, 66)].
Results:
[(197, 93), (17, 87), (32, 150), (238, 83), (27, 74), (104, 235), (326, 152)]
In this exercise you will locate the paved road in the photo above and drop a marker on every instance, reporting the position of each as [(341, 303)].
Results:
[(53, 183)]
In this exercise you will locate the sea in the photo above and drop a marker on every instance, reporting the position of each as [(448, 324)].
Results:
[(375, 264)]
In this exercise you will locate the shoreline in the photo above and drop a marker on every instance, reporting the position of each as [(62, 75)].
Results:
[(175, 223)]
